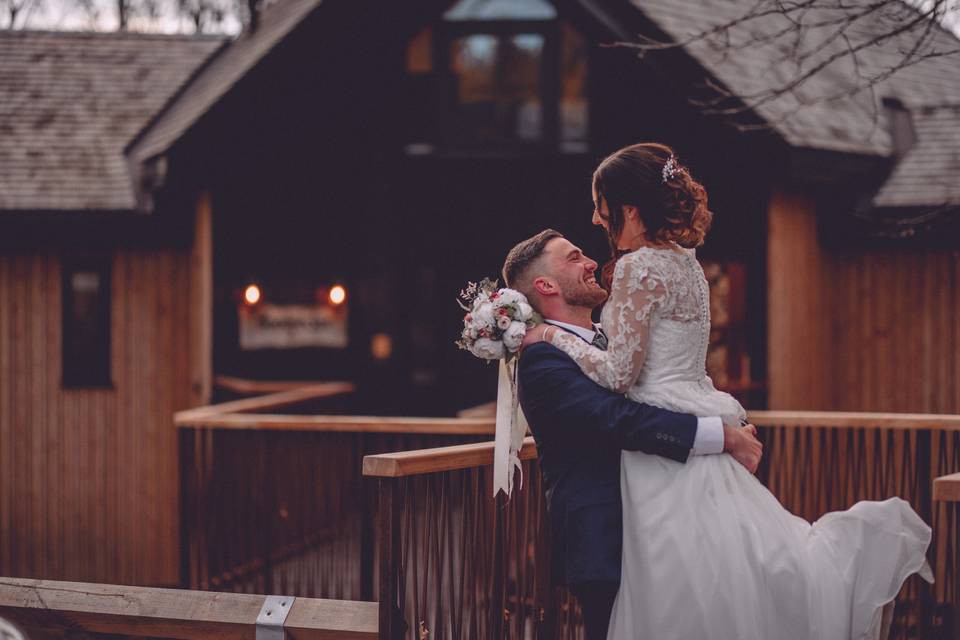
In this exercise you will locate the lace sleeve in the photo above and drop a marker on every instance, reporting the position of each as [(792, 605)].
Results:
[(636, 292)]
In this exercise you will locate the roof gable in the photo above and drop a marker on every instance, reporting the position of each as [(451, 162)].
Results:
[(217, 78)]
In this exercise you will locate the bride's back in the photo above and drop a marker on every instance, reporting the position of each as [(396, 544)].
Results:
[(674, 369)]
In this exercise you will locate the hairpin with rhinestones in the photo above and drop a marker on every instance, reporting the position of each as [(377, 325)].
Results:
[(671, 168)]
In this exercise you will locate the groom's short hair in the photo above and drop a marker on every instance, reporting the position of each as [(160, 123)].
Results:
[(517, 272)]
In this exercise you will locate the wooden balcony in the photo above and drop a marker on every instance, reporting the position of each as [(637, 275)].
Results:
[(277, 503)]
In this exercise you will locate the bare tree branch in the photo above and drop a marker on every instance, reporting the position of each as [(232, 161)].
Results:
[(810, 36)]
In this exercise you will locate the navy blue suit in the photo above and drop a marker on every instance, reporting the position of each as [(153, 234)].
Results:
[(580, 429)]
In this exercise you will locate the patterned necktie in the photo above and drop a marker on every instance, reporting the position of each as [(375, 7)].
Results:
[(600, 340)]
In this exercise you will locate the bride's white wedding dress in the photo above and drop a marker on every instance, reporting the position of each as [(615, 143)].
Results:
[(708, 551)]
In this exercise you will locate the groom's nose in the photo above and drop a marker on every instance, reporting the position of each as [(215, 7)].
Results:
[(590, 264)]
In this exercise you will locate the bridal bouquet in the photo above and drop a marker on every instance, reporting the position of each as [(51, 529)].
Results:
[(496, 320), (493, 329)]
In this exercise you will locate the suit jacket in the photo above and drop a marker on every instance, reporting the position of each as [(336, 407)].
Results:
[(580, 429)]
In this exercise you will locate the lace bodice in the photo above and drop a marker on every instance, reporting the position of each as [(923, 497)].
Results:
[(658, 324)]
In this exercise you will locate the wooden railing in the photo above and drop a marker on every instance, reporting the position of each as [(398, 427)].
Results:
[(816, 462), (62, 608), (455, 563), (276, 502)]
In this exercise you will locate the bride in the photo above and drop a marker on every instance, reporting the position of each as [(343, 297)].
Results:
[(708, 551)]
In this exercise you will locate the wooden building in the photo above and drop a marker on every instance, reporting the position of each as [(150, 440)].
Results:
[(397, 150)]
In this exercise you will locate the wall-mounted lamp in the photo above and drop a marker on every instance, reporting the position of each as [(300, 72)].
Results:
[(338, 294), (251, 294)]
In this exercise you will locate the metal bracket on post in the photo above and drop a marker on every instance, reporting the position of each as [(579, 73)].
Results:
[(273, 614)]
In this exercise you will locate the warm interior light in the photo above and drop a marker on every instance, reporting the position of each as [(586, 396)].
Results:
[(381, 346), (251, 295), (337, 294)]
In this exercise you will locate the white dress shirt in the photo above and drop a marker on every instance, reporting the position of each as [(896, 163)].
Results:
[(709, 437)]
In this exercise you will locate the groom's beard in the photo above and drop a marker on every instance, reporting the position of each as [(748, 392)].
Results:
[(584, 295)]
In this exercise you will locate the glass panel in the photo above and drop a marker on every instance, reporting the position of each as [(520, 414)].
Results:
[(497, 88), (501, 10), (86, 322), (574, 112)]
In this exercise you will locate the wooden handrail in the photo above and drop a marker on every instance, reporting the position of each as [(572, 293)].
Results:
[(947, 488), (351, 424), (461, 456), (245, 386), (269, 401), (174, 613), (407, 463), (846, 419)]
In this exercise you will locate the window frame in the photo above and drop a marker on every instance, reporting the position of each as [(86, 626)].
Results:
[(447, 32)]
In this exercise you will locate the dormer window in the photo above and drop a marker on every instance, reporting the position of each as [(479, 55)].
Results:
[(501, 75)]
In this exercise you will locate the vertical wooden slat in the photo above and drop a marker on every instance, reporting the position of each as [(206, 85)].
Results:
[(389, 513), (88, 477), (858, 329)]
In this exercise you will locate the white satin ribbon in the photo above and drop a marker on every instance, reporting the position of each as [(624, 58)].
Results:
[(511, 430)]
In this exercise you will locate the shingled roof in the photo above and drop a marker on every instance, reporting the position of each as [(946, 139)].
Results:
[(69, 104), (929, 172), (848, 124)]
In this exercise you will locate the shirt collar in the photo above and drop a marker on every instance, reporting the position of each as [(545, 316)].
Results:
[(586, 334)]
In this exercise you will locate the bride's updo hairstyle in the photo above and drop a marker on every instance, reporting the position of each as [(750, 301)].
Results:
[(671, 204)]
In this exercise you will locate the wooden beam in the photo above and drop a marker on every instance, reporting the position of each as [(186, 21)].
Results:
[(174, 613), (269, 401), (350, 424), (947, 488), (256, 387), (846, 419), (463, 456)]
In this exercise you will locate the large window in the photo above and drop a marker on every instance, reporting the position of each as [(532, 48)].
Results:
[(86, 321), (497, 93), (498, 74)]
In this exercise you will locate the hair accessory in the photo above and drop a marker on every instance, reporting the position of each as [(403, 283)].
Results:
[(671, 168)]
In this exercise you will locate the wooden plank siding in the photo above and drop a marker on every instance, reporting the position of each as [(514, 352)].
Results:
[(858, 329), (89, 477)]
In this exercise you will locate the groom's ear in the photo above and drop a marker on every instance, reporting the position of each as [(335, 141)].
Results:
[(545, 286)]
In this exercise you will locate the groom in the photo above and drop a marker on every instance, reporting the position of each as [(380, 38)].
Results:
[(581, 427)]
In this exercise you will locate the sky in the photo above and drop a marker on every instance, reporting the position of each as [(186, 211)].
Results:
[(68, 14)]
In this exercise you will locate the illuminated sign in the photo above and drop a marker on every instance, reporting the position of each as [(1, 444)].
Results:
[(271, 326)]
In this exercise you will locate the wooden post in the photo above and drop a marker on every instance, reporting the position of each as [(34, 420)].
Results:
[(201, 302), (367, 541), (391, 613)]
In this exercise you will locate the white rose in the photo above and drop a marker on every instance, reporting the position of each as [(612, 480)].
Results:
[(513, 336), (503, 321), (483, 316), (526, 311), (488, 349), (511, 296)]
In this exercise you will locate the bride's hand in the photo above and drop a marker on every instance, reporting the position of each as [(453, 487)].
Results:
[(535, 334)]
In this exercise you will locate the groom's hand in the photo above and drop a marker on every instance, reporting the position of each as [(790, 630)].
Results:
[(742, 444)]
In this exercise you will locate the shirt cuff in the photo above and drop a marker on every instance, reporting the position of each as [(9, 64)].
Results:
[(709, 438)]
